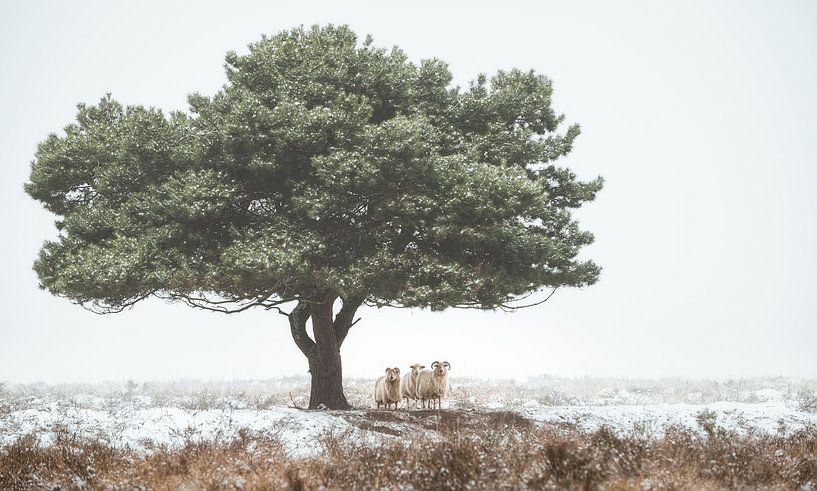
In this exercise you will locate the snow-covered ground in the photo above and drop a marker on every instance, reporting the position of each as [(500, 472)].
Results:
[(142, 416), (771, 417), (144, 428)]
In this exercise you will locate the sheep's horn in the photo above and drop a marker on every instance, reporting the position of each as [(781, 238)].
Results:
[(387, 370), (448, 365), (433, 365), (396, 369)]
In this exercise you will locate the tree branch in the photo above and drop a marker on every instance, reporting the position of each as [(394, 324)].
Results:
[(344, 319), (297, 326), (509, 308), (221, 306), (101, 309), (505, 306)]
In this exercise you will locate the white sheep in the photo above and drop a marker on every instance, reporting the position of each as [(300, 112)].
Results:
[(387, 388), (408, 385), (432, 384)]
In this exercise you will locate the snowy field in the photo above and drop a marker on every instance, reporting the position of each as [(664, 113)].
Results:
[(144, 416)]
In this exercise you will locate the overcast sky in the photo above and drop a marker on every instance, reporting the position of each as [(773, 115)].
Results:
[(701, 116)]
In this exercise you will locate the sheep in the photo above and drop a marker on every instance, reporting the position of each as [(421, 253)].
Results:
[(387, 388), (432, 384), (408, 385)]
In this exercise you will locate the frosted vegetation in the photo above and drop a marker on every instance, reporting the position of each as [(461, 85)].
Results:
[(544, 433), (144, 415)]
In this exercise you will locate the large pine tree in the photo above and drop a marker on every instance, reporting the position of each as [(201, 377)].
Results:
[(323, 169)]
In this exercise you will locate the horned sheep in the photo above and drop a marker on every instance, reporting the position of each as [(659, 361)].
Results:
[(432, 385), (387, 389)]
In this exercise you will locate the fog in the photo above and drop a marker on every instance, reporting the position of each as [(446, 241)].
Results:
[(701, 116)]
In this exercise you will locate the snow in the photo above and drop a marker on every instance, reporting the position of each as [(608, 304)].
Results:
[(144, 428), (769, 417), (144, 416)]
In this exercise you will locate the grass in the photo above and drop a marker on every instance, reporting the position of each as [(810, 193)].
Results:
[(465, 450)]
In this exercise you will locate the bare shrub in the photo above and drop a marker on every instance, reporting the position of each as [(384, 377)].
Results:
[(470, 450), (807, 400)]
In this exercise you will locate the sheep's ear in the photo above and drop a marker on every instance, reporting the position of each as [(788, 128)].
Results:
[(387, 369), (422, 366)]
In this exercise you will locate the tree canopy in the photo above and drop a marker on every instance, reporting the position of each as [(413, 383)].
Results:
[(323, 165)]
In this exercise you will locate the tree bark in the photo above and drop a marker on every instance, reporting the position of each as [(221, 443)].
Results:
[(345, 318), (324, 360), (297, 326), (323, 354)]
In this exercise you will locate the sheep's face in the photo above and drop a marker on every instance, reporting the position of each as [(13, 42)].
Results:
[(440, 368), (392, 374), (416, 369)]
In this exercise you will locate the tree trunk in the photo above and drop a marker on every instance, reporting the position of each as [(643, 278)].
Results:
[(324, 360), (323, 354)]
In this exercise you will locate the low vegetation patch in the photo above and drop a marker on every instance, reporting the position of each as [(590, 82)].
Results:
[(455, 449)]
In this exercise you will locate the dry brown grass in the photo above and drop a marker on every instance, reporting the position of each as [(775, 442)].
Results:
[(460, 450)]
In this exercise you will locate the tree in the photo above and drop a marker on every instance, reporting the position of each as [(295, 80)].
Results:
[(323, 169)]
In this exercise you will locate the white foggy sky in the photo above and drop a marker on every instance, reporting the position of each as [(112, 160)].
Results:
[(701, 116)]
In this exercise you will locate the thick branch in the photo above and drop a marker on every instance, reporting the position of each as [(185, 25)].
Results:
[(344, 320), (297, 326)]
